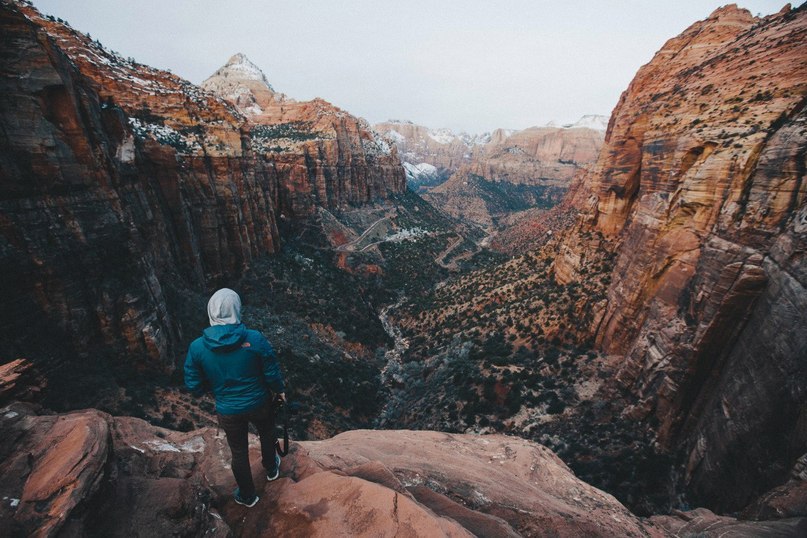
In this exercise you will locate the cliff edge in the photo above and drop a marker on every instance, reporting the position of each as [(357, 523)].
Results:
[(89, 472)]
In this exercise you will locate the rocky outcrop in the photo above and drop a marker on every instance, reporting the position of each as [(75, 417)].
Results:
[(16, 380), (787, 500), (440, 148), (507, 485), (122, 185), (703, 522), (701, 189), (88, 473)]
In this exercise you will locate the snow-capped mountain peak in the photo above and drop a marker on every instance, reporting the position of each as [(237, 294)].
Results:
[(241, 68), (588, 121), (591, 121), (442, 136)]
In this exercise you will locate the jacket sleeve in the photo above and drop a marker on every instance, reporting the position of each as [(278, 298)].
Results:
[(271, 369), (193, 375)]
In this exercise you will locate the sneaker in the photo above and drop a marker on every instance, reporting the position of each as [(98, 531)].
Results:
[(249, 503), (274, 475)]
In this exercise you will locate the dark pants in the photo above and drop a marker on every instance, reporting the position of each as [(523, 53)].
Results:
[(236, 427)]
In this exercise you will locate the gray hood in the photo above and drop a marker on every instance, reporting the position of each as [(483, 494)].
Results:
[(224, 308)]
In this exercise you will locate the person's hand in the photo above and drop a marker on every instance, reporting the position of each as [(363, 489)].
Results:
[(282, 396)]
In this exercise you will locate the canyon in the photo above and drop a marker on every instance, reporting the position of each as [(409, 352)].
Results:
[(146, 186), (635, 325)]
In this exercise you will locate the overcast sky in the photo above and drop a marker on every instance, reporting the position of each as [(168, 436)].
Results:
[(470, 65)]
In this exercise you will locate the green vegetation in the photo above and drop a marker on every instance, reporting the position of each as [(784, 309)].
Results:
[(504, 197), (294, 130), (303, 281)]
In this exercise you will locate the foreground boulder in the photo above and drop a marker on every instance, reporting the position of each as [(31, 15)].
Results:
[(503, 485), (90, 473)]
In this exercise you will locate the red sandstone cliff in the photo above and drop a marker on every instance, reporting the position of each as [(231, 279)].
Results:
[(440, 148), (120, 184), (701, 189), (325, 156)]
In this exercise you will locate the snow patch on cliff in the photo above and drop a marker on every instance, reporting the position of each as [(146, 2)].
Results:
[(442, 136), (589, 121), (419, 171), (164, 135), (395, 136)]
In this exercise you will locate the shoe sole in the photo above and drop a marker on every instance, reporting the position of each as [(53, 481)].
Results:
[(248, 505), (277, 470)]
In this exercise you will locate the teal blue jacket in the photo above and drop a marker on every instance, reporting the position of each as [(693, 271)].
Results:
[(238, 363)]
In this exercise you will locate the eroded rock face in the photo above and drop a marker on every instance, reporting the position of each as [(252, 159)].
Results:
[(539, 155), (87, 472), (702, 522), (701, 188), (440, 148), (521, 157), (120, 184), (51, 465)]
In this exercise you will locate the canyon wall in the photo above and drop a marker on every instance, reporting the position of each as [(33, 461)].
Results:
[(700, 188), (441, 148), (121, 184), (546, 155), (324, 157)]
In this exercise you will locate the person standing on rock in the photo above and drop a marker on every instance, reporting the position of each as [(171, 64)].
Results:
[(241, 367)]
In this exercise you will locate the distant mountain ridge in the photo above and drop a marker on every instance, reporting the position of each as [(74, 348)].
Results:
[(447, 150), (540, 160)]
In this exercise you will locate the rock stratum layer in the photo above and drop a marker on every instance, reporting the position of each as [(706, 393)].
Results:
[(121, 184), (90, 473), (700, 188)]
